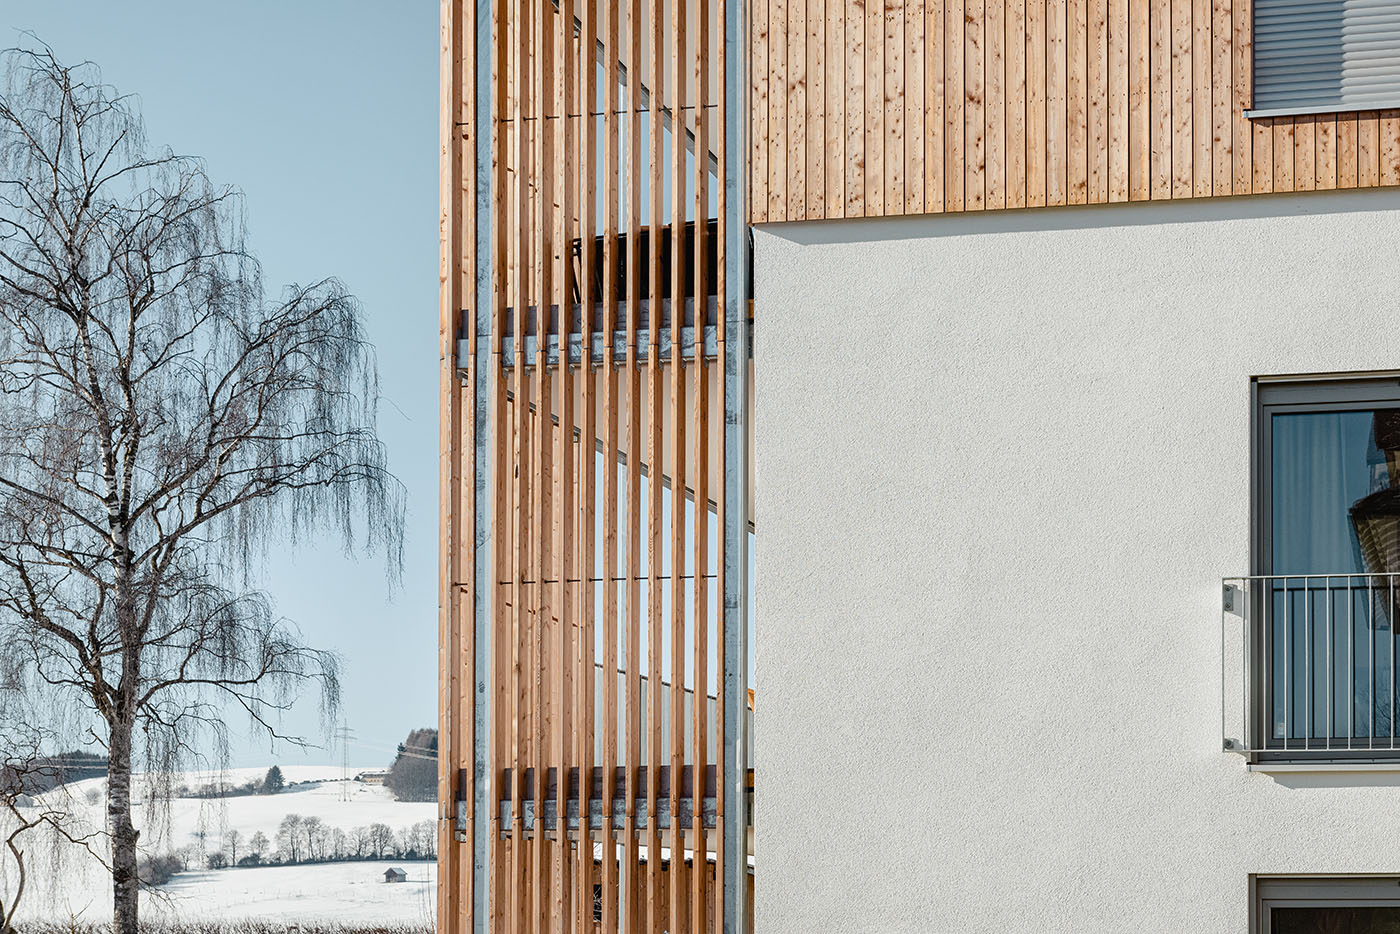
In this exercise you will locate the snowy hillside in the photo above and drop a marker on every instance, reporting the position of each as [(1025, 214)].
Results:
[(71, 882)]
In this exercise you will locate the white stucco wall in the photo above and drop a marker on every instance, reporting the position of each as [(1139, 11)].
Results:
[(1002, 466)]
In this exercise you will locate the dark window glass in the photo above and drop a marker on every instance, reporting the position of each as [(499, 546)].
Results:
[(1369, 920), (1333, 511)]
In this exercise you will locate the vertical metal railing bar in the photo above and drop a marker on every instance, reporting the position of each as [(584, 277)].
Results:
[(1331, 635), (1351, 664), (1307, 663), (736, 507), (1389, 607), (1287, 659), (1370, 663)]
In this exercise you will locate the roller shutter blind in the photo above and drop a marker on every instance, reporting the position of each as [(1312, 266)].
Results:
[(1316, 56)]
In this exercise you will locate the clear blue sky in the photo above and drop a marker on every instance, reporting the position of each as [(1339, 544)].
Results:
[(325, 115)]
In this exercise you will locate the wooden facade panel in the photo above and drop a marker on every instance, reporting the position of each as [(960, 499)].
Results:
[(607, 220), (929, 106)]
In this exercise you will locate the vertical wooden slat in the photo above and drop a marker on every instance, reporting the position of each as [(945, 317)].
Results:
[(834, 118), (674, 622), (1244, 133), (1160, 104), (916, 57), (565, 169), (894, 105), (1368, 149), (1097, 95), (656, 12), (1016, 59), (1263, 151), (631, 881), (455, 179), (1304, 153), (1222, 92), (1390, 147), (1283, 154), (1182, 113), (762, 130), (700, 915), (1077, 101), (778, 109), (796, 109), (855, 181), (874, 106), (1036, 129), (1119, 149), (611, 904), (1325, 132), (501, 431), (935, 153), (1346, 151), (1202, 118), (520, 263), (1139, 94), (542, 607), (1056, 103), (995, 69), (586, 533), (974, 110), (816, 110), (955, 63)]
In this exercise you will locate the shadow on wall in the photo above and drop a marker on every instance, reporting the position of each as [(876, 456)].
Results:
[(1339, 779), (1085, 217)]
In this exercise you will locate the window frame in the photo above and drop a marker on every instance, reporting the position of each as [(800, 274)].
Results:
[(1271, 396), (1270, 892)]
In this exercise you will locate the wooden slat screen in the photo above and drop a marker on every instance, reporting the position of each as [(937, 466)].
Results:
[(928, 106), (605, 444)]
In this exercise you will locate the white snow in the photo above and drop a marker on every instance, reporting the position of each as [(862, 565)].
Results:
[(345, 892), (78, 885)]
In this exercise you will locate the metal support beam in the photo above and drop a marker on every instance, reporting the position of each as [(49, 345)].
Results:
[(736, 437), (481, 478)]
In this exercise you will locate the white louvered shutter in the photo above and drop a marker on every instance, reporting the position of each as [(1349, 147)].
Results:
[(1320, 56)]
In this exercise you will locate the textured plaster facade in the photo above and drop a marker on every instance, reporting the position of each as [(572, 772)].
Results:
[(1002, 467)]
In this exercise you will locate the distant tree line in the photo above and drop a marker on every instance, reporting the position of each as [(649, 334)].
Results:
[(302, 839), (270, 784), (414, 775)]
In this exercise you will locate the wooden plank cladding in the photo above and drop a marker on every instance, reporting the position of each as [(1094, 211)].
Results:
[(585, 407), (899, 107)]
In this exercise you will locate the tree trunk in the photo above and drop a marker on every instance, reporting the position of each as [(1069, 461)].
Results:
[(125, 882)]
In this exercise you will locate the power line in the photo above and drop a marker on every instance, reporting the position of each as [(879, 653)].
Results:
[(345, 735)]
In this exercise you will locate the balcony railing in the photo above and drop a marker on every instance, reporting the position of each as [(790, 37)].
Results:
[(1309, 667)]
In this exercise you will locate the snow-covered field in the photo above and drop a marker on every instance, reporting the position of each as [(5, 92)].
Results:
[(69, 883), (340, 892)]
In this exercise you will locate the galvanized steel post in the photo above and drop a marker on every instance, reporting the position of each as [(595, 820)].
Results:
[(736, 436)]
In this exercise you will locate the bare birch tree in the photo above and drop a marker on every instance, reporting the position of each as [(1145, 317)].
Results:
[(161, 421)]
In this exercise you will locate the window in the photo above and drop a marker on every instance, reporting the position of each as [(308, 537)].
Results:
[(1358, 905), (1326, 57), (1327, 554)]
